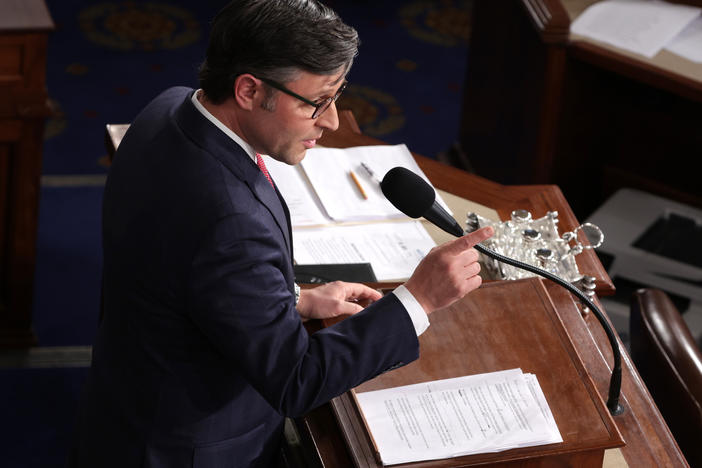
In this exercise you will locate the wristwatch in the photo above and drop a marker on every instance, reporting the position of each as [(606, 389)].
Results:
[(297, 293)]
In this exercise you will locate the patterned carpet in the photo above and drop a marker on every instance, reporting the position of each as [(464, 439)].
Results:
[(106, 60)]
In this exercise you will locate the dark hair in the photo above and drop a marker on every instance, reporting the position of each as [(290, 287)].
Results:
[(274, 39)]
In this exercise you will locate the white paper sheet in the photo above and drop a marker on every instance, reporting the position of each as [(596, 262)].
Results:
[(461, 416), (640, 26), (328, 171), (688, 44), (392, 248), (305, 209)]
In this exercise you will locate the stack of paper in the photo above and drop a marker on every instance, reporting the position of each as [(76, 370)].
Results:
[(640, 26), (320, 190), (461, 416), (334, 223), (393, 249)]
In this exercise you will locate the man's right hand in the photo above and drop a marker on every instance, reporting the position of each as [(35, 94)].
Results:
[(448, 272)]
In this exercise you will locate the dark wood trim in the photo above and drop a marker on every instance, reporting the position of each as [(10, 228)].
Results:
[(550, 20), (636, 70), (23, 109)]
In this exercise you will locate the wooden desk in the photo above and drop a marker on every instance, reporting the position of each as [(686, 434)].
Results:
[(648, 439), (24, 27), (544, 106)]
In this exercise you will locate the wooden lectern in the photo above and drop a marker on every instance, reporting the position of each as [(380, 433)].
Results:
[(648, 440), (503, 325)]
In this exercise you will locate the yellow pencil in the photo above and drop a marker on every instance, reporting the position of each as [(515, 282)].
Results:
[(358, 184)]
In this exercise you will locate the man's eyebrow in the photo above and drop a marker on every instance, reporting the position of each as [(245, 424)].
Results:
[(330, 90), (339, 80)]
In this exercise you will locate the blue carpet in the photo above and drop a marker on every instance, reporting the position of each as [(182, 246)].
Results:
[(107, 60), (68, 269), (37, 434)]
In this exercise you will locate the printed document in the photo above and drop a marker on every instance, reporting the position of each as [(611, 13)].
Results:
[(393, 249), (305, 208), (640, 26), (460, 416), (327, 208)]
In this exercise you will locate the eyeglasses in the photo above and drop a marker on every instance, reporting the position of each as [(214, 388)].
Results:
[(319, 106)]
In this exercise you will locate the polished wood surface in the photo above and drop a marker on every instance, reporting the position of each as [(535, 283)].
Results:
[(503, 325), (24, 25), (647, 437), (544, 106), (670, 361)]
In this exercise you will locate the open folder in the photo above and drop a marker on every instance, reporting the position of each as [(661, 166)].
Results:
[(322, 190), (340, 215)]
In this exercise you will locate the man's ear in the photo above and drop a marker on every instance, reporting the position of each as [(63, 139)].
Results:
[(247, 89)]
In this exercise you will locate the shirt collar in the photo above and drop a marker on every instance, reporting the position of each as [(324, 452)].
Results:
[(227, 131)]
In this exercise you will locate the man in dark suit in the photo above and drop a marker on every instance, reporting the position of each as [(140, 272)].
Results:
[(201, 352)]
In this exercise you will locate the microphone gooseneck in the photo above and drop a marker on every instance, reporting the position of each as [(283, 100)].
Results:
[(413, 196)]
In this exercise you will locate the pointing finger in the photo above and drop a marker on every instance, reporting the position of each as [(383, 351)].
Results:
[(469, 240)]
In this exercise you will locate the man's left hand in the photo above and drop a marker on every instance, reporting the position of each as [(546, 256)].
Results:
[(334, 299)]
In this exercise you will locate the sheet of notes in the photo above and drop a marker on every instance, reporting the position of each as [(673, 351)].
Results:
[(640, 26), (460, 416), (394, 249)]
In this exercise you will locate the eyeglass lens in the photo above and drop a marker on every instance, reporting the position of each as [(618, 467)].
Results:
[(323, 106)]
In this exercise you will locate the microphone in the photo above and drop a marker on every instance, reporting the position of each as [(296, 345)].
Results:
[(414, 197)]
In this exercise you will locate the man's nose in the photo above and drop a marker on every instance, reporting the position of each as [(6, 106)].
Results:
[(329, 120)]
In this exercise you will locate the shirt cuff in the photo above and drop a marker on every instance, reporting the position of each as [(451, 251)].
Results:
[(419, 318)]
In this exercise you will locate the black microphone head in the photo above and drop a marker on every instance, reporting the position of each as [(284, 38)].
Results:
[(408, 192)]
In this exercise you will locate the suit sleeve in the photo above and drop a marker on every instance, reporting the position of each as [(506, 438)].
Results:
[(240, 299)]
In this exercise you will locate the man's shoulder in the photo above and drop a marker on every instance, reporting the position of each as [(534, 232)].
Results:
[(169, 98), (175, 93)]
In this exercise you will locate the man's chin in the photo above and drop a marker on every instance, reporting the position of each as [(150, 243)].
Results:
[(299, 157), (293, 159)]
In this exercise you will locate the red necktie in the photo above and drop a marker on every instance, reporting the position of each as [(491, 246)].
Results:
[(262, 166)]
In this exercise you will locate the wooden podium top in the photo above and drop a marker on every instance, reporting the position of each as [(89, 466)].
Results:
[(503, 325)]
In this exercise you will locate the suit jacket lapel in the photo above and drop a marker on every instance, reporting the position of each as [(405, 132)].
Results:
[(206, 135), (271, 198), (287, 218)]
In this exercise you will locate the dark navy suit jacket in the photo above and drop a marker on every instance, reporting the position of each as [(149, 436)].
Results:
[(201, 353)]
